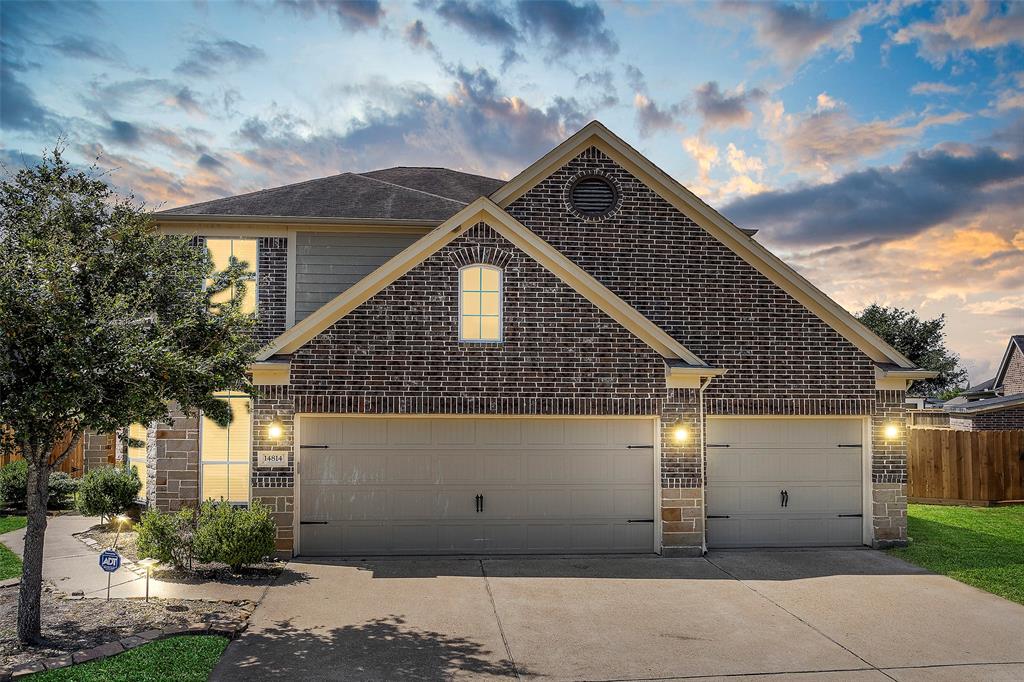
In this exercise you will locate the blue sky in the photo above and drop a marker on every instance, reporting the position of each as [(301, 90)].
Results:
[(878, 146)]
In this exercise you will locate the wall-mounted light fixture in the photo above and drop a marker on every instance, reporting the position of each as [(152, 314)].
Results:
[(891, 431), (680, 433), (275, 430)]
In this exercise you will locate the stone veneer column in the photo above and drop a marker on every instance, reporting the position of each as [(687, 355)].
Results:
[(889, 470), (275, 486), (682, 485), (98, 450), (173, 459)]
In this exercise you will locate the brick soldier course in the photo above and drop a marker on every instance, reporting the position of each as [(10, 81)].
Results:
[(398, 352)]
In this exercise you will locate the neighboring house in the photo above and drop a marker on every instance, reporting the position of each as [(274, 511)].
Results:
[(586, 358), (995, 404)]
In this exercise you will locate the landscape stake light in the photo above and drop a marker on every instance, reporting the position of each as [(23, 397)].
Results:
[(120, 519), (148, 564)]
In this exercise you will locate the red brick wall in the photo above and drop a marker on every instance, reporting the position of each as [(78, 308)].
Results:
[(1002, 420), (271, 287), (782, 359)]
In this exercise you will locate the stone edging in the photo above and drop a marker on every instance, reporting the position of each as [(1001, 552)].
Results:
[(92, 544), (224, 628)]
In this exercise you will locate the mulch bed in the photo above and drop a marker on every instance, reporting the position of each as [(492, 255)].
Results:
[(71, 624), (127, 547)]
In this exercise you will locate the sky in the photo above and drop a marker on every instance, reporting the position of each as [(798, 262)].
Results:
[(878, 146)]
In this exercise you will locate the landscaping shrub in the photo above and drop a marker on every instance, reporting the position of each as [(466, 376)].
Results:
[(234, 535), (108, 491), (168, 537), (14, 481), (62, 490)]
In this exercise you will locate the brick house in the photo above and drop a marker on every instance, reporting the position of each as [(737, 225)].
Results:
[(586, 358), (996, 404)]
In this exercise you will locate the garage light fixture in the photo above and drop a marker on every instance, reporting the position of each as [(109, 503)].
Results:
[(891, 431), (275, 430), (680, 433)]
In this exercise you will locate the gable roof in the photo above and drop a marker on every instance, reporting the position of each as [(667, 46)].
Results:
[(740, 242), (484, 210), (1016, 342), (1002, 402), (400, 193)]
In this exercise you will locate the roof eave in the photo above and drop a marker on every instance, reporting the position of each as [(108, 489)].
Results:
[(288, 220)]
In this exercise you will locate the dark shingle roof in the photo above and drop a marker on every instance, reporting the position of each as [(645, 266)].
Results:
[(988, 405), (392, 194)]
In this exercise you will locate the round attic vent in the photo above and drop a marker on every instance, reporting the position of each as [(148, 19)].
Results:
[(592, 196)]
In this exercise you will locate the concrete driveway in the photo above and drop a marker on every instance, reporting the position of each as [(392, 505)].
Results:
[(832, 615)]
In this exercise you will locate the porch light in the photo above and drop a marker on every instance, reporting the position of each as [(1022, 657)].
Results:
[(275, 430), (891, 431), (680, 433)]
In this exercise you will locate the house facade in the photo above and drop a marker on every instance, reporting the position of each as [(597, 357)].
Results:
[(998, 403), (583, 359)]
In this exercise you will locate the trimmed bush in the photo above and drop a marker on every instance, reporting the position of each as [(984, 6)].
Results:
[(235, 536), (168, 537), (108, 491), (62, 490), (14, 483)]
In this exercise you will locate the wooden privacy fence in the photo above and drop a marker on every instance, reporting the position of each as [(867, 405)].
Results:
[(74, 463), (965, 467)]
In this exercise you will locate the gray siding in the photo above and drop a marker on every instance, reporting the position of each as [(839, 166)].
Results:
[(327, 264)]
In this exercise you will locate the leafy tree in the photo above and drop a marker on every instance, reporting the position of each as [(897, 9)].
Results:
[(103, 323), (922, 341)]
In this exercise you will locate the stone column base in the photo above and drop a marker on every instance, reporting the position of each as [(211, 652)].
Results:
[(682, 522), (889, 514), (282, 506)]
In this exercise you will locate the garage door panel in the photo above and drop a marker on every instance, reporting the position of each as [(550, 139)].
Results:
[(801, 456), (548, 485)]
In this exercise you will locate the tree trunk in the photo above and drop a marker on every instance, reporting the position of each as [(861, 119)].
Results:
[(29, 612)]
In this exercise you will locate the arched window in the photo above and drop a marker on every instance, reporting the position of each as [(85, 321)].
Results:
[(480, 303)]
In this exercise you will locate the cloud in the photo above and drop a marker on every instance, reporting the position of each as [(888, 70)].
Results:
[(86, 47), (603, 84), (563, 26), (794, 34), (651, 117), (487, 23), (960, 28), (925, 88), (704, 153), (185, 99), (19, 108), (830, 135), (209, 57), (1007, 306), (745, 179), (124, 133), (474, 127), (210, 162), (356, 15), (417, 36), (884, 204), (724, 110)]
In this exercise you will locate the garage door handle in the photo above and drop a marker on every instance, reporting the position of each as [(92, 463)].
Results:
[(850, 516), (312, 523), (848, 445), (723, 516), (313, 447), (640, 521), (718, 445), (639, 447)]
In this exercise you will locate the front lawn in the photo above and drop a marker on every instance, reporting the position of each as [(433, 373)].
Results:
[(980, 546), (10, 564), (178, 659)]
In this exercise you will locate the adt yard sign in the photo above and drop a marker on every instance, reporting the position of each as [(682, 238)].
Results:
[(110, 561)]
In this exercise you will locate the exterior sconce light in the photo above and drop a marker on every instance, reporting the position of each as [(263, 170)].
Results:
[(680, 433), (275, 430), (891, 431)]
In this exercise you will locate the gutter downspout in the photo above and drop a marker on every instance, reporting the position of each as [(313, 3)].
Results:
[(703, 476)]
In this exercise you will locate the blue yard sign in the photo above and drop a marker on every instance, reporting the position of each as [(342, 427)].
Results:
[(110, 560)]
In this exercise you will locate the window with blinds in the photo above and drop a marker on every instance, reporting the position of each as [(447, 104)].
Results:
[(244, 250), (224, 453), (137, 454)]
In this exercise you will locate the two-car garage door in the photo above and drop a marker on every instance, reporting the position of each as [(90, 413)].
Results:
[(475, 485), (779, 482)]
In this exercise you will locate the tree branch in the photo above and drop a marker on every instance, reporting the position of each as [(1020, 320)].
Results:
[(67, 451)]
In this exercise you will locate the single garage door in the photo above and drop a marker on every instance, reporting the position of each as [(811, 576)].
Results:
[(784, 482), (475, 485)]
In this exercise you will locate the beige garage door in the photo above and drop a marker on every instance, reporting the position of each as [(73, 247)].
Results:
[(475, 486), (784, 482)]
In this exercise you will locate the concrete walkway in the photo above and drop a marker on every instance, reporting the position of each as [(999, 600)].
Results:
[(72, 566), (833, 616)]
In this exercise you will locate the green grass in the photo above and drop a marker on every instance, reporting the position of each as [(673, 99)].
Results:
[(980, 546), (10, 564), (178, 659)]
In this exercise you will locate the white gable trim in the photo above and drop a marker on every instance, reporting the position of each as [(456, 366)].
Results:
[(767, 263), (482, 210)]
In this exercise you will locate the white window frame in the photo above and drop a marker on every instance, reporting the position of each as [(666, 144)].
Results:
[(501, 303), (254, 267), (227, 462)]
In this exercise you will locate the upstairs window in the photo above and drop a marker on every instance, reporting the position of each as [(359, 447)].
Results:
[(244, 250), (480, 303)]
